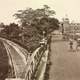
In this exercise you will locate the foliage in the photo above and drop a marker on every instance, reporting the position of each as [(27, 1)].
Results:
[(47, 25), (33, 23), (27, 16), (11, 30), (43, 19), (29, 38)]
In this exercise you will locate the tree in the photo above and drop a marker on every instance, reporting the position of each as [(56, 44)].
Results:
[(29, 15), (42, 18), (46, 24), (34, 23), (12, 30), (25, 16)]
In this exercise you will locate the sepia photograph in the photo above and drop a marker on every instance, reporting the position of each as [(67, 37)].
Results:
[(39, 40)]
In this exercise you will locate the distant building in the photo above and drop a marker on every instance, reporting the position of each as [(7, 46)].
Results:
[(75, 27), (69, 28)]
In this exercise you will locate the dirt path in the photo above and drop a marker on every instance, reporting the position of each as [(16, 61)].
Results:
[(65, 64)]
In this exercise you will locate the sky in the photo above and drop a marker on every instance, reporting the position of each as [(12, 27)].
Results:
[(62, 8)]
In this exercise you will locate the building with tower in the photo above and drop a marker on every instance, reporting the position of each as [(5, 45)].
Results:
[(69, 28)]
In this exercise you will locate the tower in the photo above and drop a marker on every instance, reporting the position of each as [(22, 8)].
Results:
[(66, 24)]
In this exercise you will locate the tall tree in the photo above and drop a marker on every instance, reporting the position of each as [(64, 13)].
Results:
[(40, 18), (34, 23), (27, 16)]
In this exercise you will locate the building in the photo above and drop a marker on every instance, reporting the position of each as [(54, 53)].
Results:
[(68, 28)]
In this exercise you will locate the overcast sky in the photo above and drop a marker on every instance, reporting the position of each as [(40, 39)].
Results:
[(62, 8)]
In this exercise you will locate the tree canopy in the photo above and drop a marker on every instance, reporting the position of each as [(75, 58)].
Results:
[(33, 23), (42, 18), (28, 15)]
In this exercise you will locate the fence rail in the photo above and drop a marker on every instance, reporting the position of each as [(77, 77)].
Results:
[(34, 62)]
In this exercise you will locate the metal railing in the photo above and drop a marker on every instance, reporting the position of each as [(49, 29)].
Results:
[(33, 62)]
